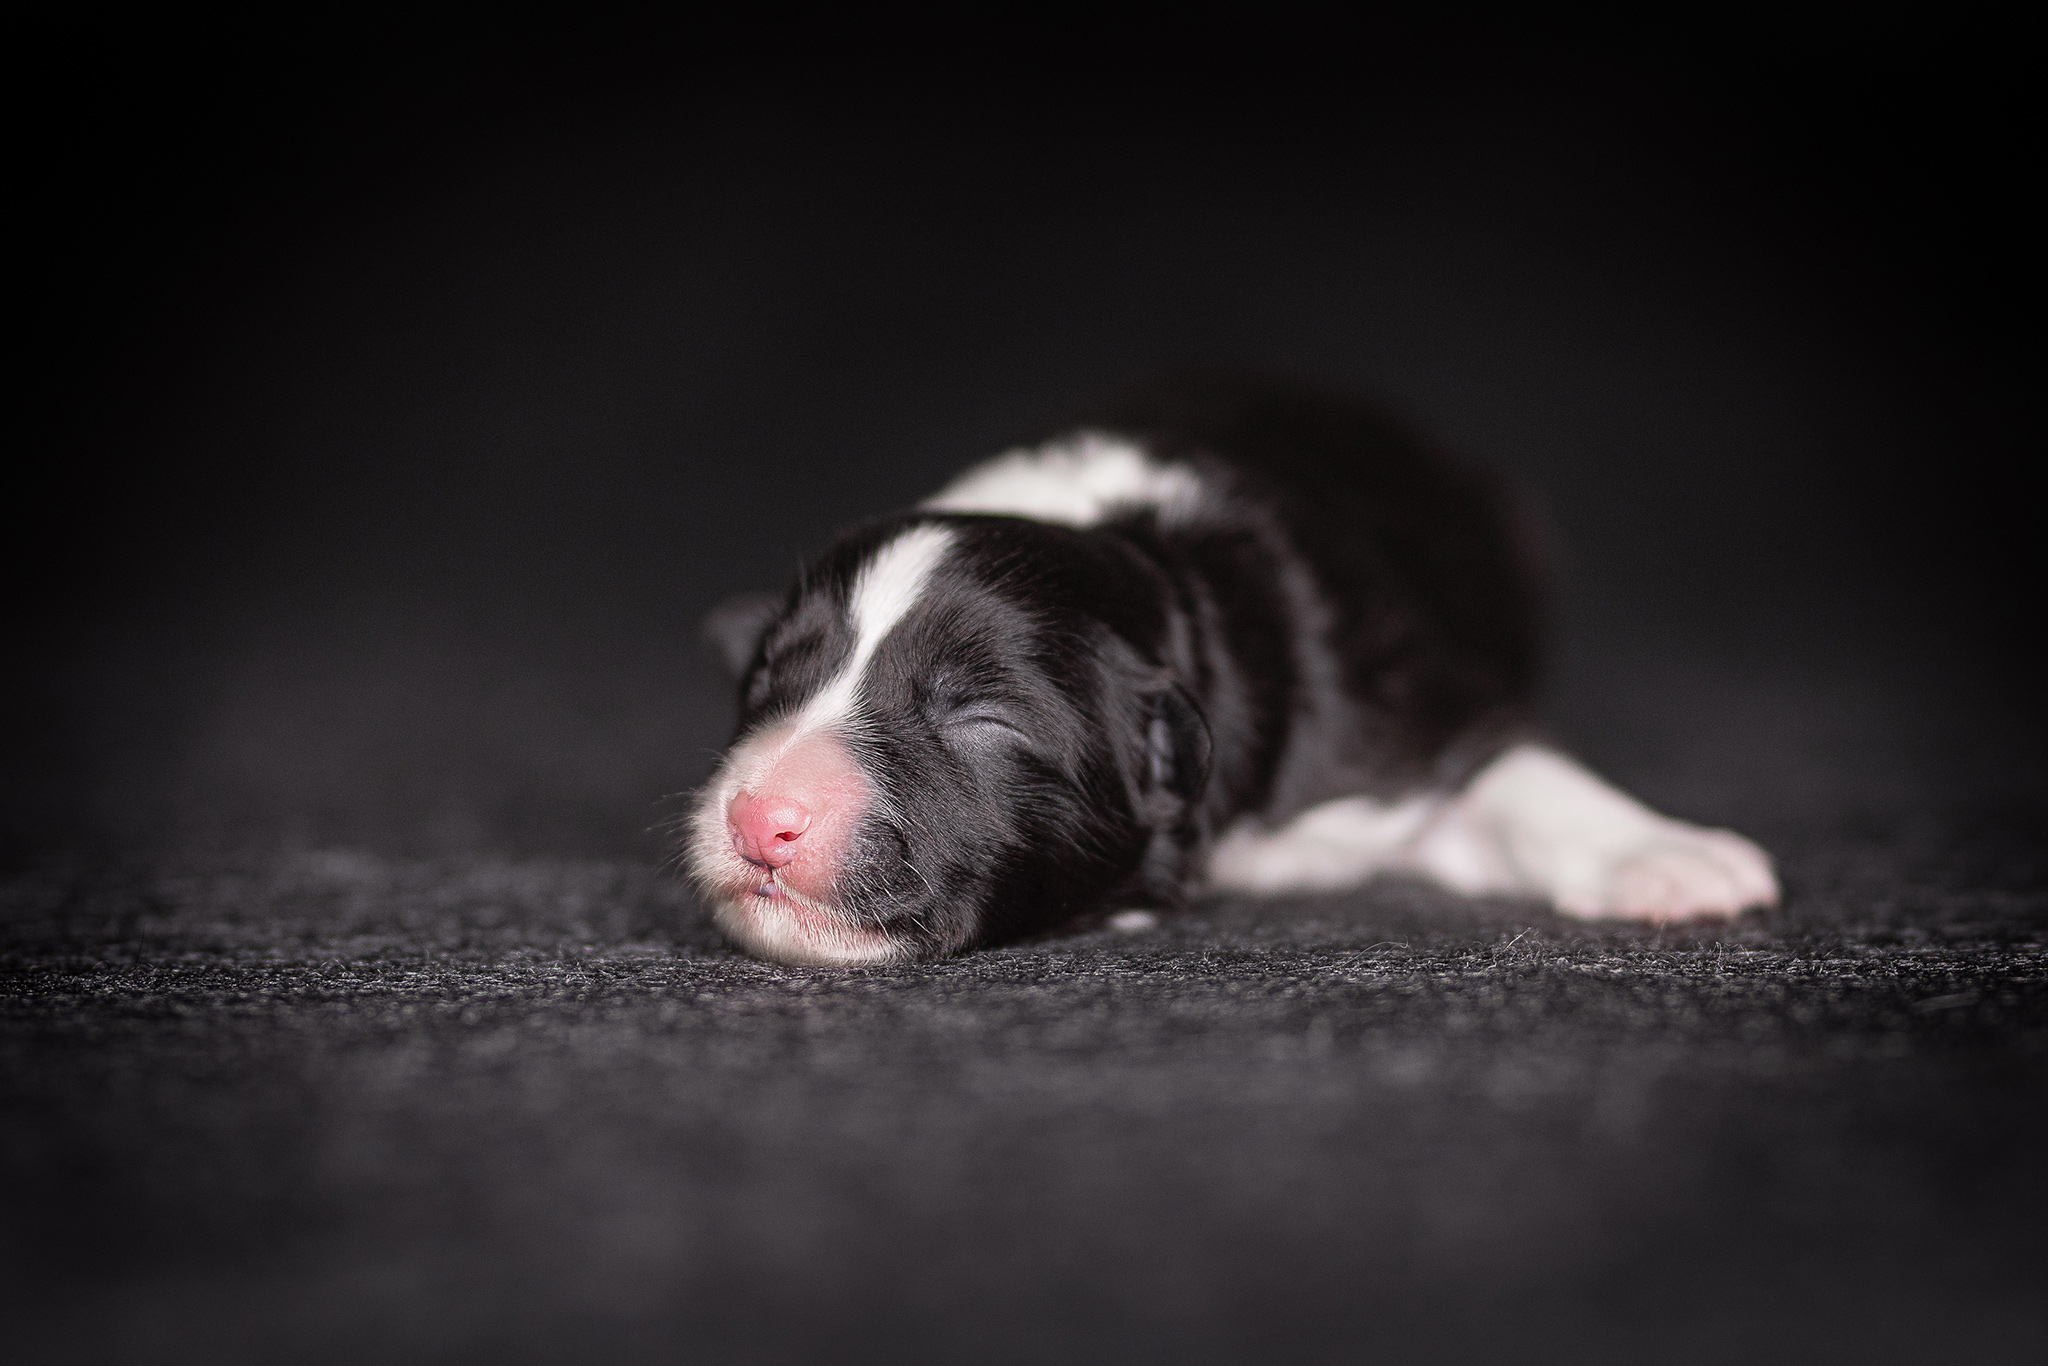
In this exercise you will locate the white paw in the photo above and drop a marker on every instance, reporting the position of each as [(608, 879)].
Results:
[(1673, 872)]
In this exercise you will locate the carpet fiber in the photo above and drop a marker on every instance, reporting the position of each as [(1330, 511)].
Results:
[(329, 1104)]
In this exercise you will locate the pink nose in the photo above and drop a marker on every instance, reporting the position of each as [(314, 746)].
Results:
[(766, 829)]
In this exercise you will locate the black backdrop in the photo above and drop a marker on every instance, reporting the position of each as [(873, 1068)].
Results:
[(402, 398)]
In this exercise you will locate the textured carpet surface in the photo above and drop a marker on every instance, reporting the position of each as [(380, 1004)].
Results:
[(333, 1104)]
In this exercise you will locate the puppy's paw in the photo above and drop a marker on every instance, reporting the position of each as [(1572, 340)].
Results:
[(1676, 872)]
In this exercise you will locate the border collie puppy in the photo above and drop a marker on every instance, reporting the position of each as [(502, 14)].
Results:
[(1223, 635)]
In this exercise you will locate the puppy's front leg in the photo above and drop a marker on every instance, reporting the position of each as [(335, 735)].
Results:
[(1533, 822)]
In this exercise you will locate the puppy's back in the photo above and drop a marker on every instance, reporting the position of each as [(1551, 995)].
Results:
[(1428, 568)]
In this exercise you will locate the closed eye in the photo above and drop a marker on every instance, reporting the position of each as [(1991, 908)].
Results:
[(982, 727)]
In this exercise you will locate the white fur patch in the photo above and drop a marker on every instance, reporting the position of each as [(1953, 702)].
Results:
[(1079, 481), (1335, 845), (1533, 823), (888, 586), (786, 931)]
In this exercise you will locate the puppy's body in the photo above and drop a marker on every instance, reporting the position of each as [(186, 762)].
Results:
[(1221, 635)]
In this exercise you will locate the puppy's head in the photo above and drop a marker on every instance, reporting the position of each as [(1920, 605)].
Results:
[(953, 730)]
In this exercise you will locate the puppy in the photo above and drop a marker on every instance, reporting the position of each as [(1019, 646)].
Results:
[(1222, 635)]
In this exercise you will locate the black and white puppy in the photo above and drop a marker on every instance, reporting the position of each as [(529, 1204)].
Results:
[(1224, 635)]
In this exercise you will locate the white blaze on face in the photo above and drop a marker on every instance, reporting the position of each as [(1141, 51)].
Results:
[(1079, 481), (804, 755), (884, 591)]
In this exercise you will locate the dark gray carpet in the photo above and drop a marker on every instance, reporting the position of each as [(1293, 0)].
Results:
[(323, 1104)]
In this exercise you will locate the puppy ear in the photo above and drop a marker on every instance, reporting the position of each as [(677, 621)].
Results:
[(734, 627), (1178, 746)]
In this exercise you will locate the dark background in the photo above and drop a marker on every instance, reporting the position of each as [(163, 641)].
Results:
[(396, 401), (407, 397)]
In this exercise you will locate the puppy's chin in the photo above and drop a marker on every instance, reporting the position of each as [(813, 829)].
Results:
[(786, 930)]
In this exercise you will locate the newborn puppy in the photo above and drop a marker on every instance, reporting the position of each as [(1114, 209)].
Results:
[(1222, 635)]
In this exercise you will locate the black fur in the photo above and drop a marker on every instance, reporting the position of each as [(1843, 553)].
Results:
[(1070, 717)]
